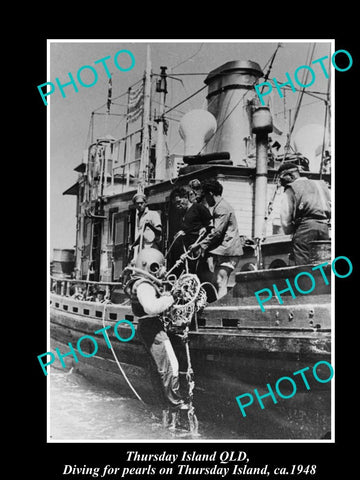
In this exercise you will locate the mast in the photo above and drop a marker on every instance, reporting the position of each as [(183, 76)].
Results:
[(161, 87), (127, 124), (145, 147)]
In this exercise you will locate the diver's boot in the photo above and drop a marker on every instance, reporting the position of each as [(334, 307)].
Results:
[(173, 421), (165, 418)]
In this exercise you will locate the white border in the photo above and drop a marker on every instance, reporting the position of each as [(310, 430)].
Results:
[(151, 41)]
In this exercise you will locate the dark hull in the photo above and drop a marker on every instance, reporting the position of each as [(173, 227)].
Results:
[(233, 351)]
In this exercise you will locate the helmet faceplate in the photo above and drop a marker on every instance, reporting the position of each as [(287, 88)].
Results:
[(150, 260)]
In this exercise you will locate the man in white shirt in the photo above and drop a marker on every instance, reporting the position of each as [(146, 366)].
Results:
[(148, 224)]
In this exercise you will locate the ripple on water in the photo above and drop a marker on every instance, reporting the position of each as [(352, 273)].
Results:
[(80, 410)]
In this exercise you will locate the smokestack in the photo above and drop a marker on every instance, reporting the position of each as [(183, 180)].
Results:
[(196, 128), (230, 87)]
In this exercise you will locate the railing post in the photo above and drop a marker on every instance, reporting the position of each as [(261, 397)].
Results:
[(107, 290)]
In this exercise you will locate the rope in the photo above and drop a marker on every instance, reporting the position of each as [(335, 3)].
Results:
[(186, 99), (116, 359)]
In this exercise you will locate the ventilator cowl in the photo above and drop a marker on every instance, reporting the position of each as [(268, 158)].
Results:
[(196, 128)]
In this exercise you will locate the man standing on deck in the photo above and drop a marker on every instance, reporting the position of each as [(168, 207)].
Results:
[(195, 221), (197, 194), (195, 217), (305, 211), (148, 303), (222, 245), (148, 225)]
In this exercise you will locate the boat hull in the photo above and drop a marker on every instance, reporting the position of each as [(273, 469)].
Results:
[(227, 362)]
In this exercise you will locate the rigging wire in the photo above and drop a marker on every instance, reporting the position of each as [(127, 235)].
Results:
[(187, 59), (119, 96), (89, 139), (224, 119), (271, 60), (327, 114), (271, 63), (185, 100), (287, 146), (300, 97), (281, 112)]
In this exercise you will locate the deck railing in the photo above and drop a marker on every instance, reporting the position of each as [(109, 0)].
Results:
[(81, 289)]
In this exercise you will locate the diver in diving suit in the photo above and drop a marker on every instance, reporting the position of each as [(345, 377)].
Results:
[(148, 303)]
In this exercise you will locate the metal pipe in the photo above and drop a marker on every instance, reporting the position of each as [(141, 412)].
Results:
[(260, 183)]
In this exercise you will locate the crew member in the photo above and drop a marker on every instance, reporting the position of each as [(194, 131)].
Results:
[(222, 245), (196, 191), (305, 211), (148, 225), (196, 218), (148, 303), (195, 221)]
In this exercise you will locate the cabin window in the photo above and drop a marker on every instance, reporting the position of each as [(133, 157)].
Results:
[(230, 322), (119, 230), (87, 231), (278, 263), (120, 243), (112, 212)]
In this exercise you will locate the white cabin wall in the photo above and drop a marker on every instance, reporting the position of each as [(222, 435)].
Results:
[(274, 218), (239, 192)]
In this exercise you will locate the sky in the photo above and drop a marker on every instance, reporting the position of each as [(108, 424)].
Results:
[(69, 117)]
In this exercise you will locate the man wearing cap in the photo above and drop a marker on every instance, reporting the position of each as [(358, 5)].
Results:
[(148, 225), (305, 210)]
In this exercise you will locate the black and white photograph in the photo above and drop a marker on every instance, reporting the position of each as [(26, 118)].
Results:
[(191, 261)]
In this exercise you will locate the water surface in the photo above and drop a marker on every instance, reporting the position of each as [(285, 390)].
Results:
[(82, 411)]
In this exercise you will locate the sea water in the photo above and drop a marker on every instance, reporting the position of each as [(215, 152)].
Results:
[(82, 411)]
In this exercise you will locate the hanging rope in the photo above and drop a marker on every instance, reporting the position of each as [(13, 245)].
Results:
[(116, 359)]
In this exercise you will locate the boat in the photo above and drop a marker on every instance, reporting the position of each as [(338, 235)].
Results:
[(235, 347)]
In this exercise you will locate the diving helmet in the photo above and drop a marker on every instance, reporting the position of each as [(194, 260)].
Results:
[(152, 261)]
